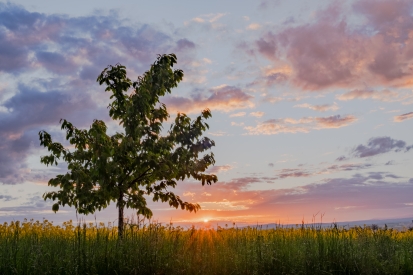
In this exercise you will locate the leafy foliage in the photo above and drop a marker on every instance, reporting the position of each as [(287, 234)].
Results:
[(138, 162)]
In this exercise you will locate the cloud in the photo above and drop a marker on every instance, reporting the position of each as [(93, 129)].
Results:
[(319, 108), (379, 145), (333, 52), (403, 117), (366, 194), (50, 64), (238, 114), (345, 167), (306, 172), (341, 158), (303, 125), (293, 173), (223, 98), (253, 26), (67, 45), (219, 169), (7, 198), (383, 95), (257, 114), (185, 44), (336, 121)]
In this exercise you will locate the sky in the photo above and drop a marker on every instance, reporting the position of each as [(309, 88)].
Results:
[(312, 101)]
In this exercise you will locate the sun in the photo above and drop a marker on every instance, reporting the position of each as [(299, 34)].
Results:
[(205, 220)]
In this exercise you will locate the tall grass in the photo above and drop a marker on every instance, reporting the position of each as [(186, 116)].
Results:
[(42, 248)]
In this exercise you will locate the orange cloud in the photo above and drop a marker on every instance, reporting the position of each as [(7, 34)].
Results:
[(257, 114), (303, 125), (236, 200), (222, 98), (403, 117), (319, 108), (384, 95)]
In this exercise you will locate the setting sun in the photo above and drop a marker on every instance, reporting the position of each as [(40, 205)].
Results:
[(205, 220)]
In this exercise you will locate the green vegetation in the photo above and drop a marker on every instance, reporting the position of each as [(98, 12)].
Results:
[(42, 248), (138, 162)]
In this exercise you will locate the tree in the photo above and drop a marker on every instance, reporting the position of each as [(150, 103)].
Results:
[(138, 162)]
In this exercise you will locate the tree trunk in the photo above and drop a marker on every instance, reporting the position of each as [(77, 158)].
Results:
[(121, 206)]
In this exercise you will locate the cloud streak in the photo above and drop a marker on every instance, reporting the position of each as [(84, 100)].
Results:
[(319, 108), (403, 117), (222, 98), (303, 125)]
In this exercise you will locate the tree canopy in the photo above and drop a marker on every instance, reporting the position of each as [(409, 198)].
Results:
[(138, 162)]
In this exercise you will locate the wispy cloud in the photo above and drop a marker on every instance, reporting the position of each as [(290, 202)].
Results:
[(253, 26), (403, 117), (319, 108), (218, 169), (302, 172), (303, 125), (382, 95), (239, 114), (257, 114), (223, 98)]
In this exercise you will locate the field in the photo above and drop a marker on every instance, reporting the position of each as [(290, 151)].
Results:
[(42, 248)]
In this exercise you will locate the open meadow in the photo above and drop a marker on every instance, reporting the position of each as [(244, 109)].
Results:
[(31, 247)]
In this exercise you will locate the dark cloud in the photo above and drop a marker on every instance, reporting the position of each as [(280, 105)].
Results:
[(185, 44), (67, 53), (271, 164), (63, 45), (301, 172), (267, 46), (293, 173), (32, 108), (378, 145), (346, 167), (341, 158)]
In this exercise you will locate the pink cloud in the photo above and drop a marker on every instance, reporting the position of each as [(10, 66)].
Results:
[(340, 199), (331, 53), (384, 95), (335, 121), (403, 117), (303, 125), (319, 108), (222, 98), (257, 114)]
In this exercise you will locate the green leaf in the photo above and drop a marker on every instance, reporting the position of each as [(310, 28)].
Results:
[(141, 159)]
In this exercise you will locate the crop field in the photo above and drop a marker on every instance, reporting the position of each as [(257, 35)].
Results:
[(31, 247)]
